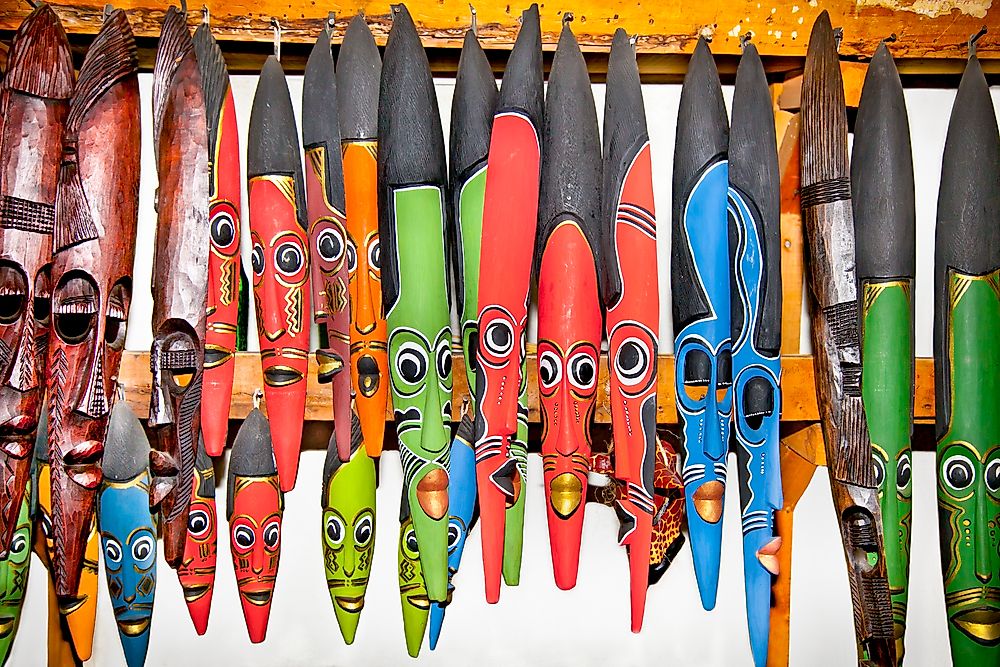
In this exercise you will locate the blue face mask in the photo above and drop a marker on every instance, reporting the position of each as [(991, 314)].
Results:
[(128, 538)]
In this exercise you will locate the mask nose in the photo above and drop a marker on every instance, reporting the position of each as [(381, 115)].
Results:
[(981, 543), (94, 400), (257, 560), (350, 562), (364, 309)]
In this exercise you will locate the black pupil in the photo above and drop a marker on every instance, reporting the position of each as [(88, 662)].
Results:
[(879, 472), (584, 371), (375, 256), (257, 260), (411, 367), (329, 246), (452, 535), (444, 362), (500, 337), (629, 358), (271, 536), (960, 474), (289, 258), (993, 476), (411, 542), (903, 474), (547, 371), (223, 231), (18, 544), (142, 550), (244, 538), (197, 522), (10, 307), (362, 532), (352, 257), (333, 531)]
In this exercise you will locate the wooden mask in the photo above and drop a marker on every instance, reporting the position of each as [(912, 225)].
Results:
[(97, 210), (180, 278), (631, 294), (755, 249), (224, 271), (359, 69), (415, 288), (280, 263), (328, 232), (510, 218), (34, 101), (699, 279)]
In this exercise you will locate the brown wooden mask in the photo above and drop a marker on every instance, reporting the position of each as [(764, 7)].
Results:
[(34, 99), (93, 247), (180, 277)]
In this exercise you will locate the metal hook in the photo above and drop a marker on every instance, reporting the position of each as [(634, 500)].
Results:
[(745, 39), (633, 40), (184, 8), (890, 39), (975, 38), (205, 17), (120, 390), (107, 12), (474, 21), (258, 395), (277, 38), (331, 21), (395, 9), (567, 17), (838, 36)]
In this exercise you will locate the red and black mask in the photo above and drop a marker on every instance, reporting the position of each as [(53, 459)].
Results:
[(34, 100), (93, 248), (197, 571)]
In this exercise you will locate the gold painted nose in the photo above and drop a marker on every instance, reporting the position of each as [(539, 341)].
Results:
[(708, 501), (432, 493), (566, 493)]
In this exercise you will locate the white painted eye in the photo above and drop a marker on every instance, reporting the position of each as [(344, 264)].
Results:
[(243, 537), (363, 532), (411, 363), (582, 371), (257, 259), (549, 369), (375, 255), (289, 258), (330, 245), (498, 339), (959, 473), (993, 475), (334, 530), (113, 551), (272, 532), (632, 361), (443, 359), (903, 473), (879, 467), (142, 549)]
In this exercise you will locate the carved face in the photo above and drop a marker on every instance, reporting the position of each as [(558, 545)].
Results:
[(969, 471), (128, 537), (14, 578), (369, 356), (280, 263), (412, 591), (255, 543), (349, 538), (197, 570)]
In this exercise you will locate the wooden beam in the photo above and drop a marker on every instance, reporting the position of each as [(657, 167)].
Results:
[(798, 391), (927, 30)]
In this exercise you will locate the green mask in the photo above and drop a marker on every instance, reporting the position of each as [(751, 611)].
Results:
[(14, 578), (349, 533), (887, 388), (420, 369), (412, 592), (470, 207), (968, 459)]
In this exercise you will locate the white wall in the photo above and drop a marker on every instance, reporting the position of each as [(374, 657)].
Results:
[(536, 623)]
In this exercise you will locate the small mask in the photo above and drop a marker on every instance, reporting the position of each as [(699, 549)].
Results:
[(14, 578), (412, 592), (197, 570)]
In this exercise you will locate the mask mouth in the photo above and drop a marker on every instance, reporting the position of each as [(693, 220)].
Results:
[(134, 628), (68, 605), (257, 598), (6, 626), (17, 446), (216, 355), (281, 376), (352, 605), (20, 425), (981, 623), (195, 592), (368, 375), (419, 601), (83, 463)]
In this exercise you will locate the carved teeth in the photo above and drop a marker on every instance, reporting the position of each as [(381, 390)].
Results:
[(768, 556)]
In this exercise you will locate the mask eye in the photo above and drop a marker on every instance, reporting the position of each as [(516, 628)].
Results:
[(42, 305), (75, 309), (334, 530), (375, 255), (363, 532), (257, 260), (223, 230), (272, 533), (959, 473), (632, 361), (13, 293), (18, 544), (498, 339), (352, 257), (725, 377), (992, 476), (582, 371), (454, 533), (411, 363), (442, 359), (549, 370), (697, 375), (243, 537), (142, 549), (330, 245), (117, 317), (198, 523), (289, 258), (113, 552), (903, 473), (879, 466), (410, 544)]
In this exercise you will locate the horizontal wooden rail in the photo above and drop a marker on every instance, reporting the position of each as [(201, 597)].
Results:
[(798, 391)]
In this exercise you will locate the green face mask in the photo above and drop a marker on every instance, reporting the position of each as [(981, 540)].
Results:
[(349, 537), (888, 394), (968, 460), (14, 578), (420, 369), (412, 592)]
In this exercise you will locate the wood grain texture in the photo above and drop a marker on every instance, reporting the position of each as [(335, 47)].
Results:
[(931, 30)]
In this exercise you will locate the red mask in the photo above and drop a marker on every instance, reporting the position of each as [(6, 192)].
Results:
[(33, 106), (197, 570), (224, 258)]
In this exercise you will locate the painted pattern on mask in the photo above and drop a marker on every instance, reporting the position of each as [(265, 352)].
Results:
[(197, 570)]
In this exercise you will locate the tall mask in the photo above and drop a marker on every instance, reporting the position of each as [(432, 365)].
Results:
[(280, 263), (967, 372), (14, 577), (631, 294), (328, 232), (197, 570), (510, 217), (755, 249), (254, 503), (359, 68), (348, 502), (224, 272), (569, 308), (412, 228), (180, 278), (97, 210), (128, 532), (34, 100), (412, 592), (699, 278)]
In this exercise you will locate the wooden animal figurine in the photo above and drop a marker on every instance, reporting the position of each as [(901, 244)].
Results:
[(14, 577), (348, 502), (197, 569), (280, 262), (412, 180), (328, 232), (471, 122), (826, 211), (224, 273), (128, 531), (254, 503), (699, 279), (93, 242), (359, 68), (510, 217), (180, 278), (885, 227), (967, 368), (34, 101), (569, 309), (71, 620), (412, 592), (755, 251), (630, 291), (668, 496)]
